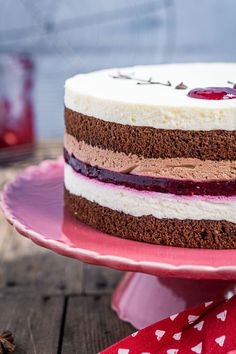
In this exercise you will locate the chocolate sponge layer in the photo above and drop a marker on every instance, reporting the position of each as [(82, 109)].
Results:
[(171, 232), (150, 142)]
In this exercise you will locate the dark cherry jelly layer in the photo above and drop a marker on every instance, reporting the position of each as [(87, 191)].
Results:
[(213, 93), (154, 184)]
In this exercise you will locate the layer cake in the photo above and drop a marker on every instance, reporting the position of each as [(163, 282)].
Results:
[(150, 153)]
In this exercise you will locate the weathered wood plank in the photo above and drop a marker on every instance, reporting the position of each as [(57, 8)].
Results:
[(100, 280), (34, 321), (91, 325), (26, 267)]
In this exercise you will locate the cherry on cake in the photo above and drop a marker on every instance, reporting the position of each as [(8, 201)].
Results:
[(150, 153)]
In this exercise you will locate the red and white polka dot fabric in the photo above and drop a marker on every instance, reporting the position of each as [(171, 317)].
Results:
[(205, 329)]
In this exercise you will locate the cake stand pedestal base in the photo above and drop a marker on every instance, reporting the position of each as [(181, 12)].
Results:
[(143, 299)]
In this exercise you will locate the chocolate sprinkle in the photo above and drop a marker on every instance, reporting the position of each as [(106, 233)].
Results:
[(181, 86)]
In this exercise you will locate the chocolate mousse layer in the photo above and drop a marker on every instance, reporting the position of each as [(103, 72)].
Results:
[(225, 188), (150, 142), (175, 168), (170, 232)]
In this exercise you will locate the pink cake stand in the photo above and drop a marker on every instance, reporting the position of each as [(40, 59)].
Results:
[(161, 280)]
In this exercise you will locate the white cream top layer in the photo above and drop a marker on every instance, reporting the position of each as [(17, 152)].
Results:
[(100, 95)]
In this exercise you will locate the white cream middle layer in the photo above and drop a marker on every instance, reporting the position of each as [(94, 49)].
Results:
[(159, 205)]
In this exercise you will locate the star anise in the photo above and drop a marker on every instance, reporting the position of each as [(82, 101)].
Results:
[(6, 343)]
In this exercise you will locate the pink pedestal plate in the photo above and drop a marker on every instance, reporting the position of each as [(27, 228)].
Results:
[(164, 280)]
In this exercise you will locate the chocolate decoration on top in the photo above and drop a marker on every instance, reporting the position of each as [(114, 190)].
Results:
[(181, 86)]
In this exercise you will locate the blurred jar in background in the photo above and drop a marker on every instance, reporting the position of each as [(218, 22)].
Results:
[(16, 107)]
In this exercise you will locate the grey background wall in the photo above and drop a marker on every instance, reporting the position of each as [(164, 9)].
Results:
[(65, 37)]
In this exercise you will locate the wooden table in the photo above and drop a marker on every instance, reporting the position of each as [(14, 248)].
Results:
[(53, 304)]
